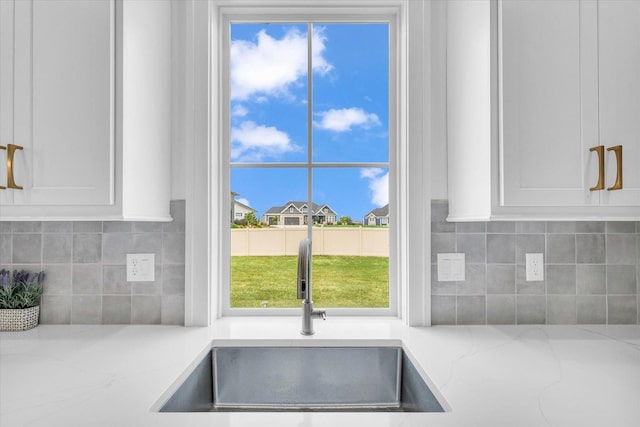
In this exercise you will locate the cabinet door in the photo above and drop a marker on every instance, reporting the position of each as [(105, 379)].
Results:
[(63, 105), (548, 102), (6, 94), (619, 67)]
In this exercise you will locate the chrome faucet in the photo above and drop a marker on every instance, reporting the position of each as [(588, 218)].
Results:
[(304, 288)]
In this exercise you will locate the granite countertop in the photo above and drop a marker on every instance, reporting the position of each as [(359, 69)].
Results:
[(489, 375)]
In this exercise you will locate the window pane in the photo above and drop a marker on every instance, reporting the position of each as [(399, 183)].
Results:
[(264, 252), (268, 92), (350, 264), (351, 106)]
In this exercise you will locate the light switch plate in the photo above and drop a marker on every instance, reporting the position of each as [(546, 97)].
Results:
[(535, 267), (140, 267), (451, 267)]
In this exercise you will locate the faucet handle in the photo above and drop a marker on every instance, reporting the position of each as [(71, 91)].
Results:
[(320, 314)]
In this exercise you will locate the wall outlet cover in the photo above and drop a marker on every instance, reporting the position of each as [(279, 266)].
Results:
[(141, 267), (535, 267), (451, 267)]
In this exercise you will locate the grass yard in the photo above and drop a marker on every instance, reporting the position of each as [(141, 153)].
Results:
[(338, 281)]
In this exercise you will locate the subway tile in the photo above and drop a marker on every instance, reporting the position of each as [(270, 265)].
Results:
[(531, 227), (87, 227), (473, 246), (57, 279), (471, 310), (173, 246), (591, 279), (173, 280), (87, 248), (441, 288), (56, 248), (590, 249), (562, 227), (501, 248), (177, 211), (86, 309), (172, 310), (622, 309), (115, 247), (27, 249), (475, 283), (86, 279), (590, 227), (149, 288), (525, 287), (116, 226), (116, 310), (530, 309), (501, 227), (57, 226), (501, 309), (27, 226), (114, 279), (529, 243), (442, 243), (146, 310), (501, 279), (561, 249), (621, 280), (471, 227), (591, 309), (6, 227), (443, 310), (6, 243), (621, 249), (55, 309), (621, 227), (146, 227), (561, 279), (561, 310)]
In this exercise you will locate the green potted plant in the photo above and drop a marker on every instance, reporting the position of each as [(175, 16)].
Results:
[(20, 294)]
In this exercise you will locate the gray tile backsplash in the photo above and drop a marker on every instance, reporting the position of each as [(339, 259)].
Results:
[(592, 273), (85, 271)]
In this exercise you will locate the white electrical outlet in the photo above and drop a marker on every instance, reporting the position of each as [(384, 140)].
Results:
[(535, 267), (140, 267), (451, 267)]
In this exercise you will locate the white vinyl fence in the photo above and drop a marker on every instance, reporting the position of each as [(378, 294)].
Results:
[(353, 241)]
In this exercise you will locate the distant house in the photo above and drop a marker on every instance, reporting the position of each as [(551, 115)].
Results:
[(295, 213), (378, 216), (239, 210)]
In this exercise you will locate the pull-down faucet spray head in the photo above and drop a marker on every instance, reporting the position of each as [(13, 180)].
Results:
[(304, 288)]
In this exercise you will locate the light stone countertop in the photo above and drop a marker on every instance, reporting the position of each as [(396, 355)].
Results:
[(489, 375)]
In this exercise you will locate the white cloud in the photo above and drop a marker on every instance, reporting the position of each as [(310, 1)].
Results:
[(239, 111), (251, 142), (244, 201), (342, 120), (270, 66), (378, 185)]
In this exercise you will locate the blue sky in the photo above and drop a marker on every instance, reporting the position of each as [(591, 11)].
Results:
[(350, 113)]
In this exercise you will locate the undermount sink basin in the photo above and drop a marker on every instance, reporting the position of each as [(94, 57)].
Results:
[(284, 378)]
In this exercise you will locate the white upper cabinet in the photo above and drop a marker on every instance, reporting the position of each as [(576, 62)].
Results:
[(88, 85), (564, 79)]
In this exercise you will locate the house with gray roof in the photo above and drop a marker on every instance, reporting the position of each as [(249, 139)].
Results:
[(295, 213), (378, 216)]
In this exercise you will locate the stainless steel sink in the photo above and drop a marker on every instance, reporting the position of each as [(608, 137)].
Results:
[(327, 378)]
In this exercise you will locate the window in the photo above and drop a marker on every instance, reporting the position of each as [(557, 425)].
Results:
[(309, 148)]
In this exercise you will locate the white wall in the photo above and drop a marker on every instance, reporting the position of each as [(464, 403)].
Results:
[(438, 100), (178, 61)]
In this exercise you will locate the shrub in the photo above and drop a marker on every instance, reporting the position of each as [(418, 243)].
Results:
[(21, 289)]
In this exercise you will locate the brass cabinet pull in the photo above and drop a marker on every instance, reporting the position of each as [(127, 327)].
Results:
[(600, 150), (618, 184), (11, 149)]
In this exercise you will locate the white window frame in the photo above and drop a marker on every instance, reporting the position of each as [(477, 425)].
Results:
[(207, 235)]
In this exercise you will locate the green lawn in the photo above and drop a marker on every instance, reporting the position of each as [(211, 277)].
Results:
[(338, 281)]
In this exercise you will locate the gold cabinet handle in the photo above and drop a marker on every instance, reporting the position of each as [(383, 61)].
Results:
[(11, 150), (618, 184), (600, 150)]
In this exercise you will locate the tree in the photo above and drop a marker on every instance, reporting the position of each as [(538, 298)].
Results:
[(346, 220), (251, 219)]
